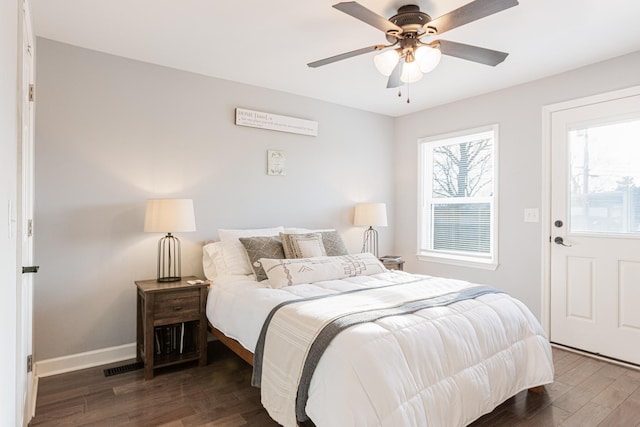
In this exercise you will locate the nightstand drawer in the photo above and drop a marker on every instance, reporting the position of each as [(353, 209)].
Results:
[(171, 304)]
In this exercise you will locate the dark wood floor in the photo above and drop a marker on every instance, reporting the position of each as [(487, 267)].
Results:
[(586, 392)]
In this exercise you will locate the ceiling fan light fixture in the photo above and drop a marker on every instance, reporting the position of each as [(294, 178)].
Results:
[(411, 72), (412, 57), (428, 58), (386, 62)]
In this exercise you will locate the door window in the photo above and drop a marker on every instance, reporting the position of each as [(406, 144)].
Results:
[(604, 178)]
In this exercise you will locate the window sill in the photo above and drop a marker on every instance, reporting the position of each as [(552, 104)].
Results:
[(461, 261)]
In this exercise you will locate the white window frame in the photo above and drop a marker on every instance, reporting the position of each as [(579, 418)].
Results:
[(425, 144)]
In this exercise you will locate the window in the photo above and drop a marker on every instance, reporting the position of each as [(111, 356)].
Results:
[(458, 209)]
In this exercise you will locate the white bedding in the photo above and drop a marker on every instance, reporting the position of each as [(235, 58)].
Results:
[(238, 305), (470, 357)]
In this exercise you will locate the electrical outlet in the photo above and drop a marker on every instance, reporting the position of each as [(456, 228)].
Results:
[(531, 215)]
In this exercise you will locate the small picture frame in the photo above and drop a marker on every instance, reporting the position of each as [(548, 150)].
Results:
[(276, 162)]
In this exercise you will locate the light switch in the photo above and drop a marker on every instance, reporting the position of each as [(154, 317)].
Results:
[(531, 215)]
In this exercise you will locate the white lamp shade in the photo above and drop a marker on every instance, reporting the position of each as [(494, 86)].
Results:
[(370, 214), (411, 72), (169, 216), (428, 58), (386, 62)]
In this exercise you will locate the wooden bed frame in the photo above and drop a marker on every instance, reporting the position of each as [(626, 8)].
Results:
[(233, 345)]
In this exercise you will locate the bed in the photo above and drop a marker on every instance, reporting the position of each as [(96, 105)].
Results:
[(340, 340)]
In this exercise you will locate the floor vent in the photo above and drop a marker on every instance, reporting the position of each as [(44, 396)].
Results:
[(124, 368)]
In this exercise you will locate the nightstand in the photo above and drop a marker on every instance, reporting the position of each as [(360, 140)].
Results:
[(171, 323), (393, 264)]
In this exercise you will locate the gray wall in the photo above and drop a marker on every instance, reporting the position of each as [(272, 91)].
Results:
[(8, 164), (112, 132), (518, 111)]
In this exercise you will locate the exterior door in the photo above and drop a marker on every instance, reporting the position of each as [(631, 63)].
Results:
[(595, 228), (25, 226)]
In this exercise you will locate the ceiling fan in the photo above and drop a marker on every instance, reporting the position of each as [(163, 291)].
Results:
[(411, 56)]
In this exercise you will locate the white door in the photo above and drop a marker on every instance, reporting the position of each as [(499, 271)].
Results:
[(595, 228), (25, 310)]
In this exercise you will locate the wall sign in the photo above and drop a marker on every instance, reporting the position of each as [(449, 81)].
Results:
[(276, 162), (259, 119)]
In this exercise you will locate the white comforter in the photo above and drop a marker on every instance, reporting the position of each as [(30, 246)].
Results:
[(438, 367)]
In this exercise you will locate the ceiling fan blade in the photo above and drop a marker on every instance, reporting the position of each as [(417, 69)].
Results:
[(367, 16), (346, 55), (470, 53), (394, 77), (470, 12)]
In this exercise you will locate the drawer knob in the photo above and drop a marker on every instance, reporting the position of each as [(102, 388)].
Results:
[(177, 308)]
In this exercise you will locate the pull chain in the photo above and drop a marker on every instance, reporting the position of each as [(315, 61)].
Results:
[(400, 94)]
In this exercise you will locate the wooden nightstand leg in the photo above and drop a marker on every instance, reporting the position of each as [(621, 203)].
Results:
[(202, 327), (149, 347), (148, 372), (139, 331)]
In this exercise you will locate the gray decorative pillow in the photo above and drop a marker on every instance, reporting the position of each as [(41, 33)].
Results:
[(261, 247), (333, 243), (307, 245)]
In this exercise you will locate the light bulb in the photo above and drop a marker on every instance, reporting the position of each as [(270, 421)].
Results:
[(427, 58), (386, 62), (411, 72)]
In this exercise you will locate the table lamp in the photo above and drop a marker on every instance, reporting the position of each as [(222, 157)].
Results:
[(169, 216), (370, 214)]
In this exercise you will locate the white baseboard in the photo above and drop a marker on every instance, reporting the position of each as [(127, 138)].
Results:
[(74, 362)]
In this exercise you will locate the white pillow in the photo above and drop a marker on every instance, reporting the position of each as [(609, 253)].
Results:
[(212, 261), (298, 230), (287, 272), (234, 254)]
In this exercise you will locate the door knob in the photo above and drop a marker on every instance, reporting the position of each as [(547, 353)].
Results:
[(560, 241), (558, 223)]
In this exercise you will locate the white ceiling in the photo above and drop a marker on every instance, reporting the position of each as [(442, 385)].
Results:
[(269, 43)]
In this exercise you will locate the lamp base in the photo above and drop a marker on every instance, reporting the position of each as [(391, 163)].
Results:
[(169, 259), (370, 241), (169, 279)]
